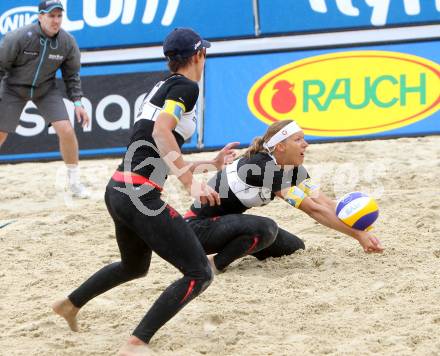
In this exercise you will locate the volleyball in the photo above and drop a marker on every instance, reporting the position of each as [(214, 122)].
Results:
[(357, 210)]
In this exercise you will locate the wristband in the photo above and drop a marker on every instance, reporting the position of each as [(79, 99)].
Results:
[(308, 186), (78, 104), (295, 196)]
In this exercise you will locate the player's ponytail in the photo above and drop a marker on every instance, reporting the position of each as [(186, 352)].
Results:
[(177, 62), (258, 142), (255, 147)]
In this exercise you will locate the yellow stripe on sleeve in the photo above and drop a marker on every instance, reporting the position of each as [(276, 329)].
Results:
[(174, 108)]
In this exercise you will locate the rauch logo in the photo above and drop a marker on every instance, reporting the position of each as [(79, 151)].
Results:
[(349, 93)]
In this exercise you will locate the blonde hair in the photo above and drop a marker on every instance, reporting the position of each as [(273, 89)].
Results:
[(257, 144)]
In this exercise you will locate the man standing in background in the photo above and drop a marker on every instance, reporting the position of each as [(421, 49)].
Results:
[(29, 59)]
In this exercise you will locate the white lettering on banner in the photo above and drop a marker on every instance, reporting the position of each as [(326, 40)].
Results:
[(39, 124), (90, 16), (150, 11), (119, 9), (380, 8), (129, 12), (380, 11), (123, 122), (319, 6), (412, 7), (35, 119), (170, 12), (17, 17), (124, 9), (68, 24), (347, 7)]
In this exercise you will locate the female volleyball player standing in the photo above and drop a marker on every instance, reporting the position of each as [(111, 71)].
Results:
[(143, 222)]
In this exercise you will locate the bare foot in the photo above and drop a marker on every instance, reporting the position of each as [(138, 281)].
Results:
[(135, 347), (213, 266), (68, 311)]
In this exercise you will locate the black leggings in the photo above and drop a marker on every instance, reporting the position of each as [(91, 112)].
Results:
[(236, 235), (138, 235)]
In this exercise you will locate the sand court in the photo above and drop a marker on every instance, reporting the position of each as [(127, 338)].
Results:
[(331, 298)]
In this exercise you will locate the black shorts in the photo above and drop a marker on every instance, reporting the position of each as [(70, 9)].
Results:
[(48, 101)]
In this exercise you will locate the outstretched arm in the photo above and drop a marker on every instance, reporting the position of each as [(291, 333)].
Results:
[(320, 208), (327, 217), (320, 198)]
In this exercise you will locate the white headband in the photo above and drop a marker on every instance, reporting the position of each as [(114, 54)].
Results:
[(281, 135)]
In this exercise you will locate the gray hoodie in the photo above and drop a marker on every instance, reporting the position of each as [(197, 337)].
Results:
[(29, 59)]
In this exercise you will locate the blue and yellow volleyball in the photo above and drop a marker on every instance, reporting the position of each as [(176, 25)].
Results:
[(357, 210)]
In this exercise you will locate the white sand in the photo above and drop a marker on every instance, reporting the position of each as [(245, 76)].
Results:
[(330, 299)]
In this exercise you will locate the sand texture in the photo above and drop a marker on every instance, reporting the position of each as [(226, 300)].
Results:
[(330, 299)]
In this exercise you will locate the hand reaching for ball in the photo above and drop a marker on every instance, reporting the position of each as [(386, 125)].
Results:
[(369, 243)]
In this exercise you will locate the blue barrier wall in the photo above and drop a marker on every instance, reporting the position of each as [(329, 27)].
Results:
[(397, 96), (283, 16), (117, 23), (405, 100)]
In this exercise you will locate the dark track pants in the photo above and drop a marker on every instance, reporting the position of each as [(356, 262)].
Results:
[(137, 236), (236, 235)]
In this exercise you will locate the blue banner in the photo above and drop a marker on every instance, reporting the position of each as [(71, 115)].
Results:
[(342, 94), (283, 16), (119, 23)]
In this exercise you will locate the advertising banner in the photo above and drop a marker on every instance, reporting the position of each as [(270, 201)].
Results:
[(341, 94), (113, 95), (121, 23), (283, 16)]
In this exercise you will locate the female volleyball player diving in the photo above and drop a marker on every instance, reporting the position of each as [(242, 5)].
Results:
[(271, 167)]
